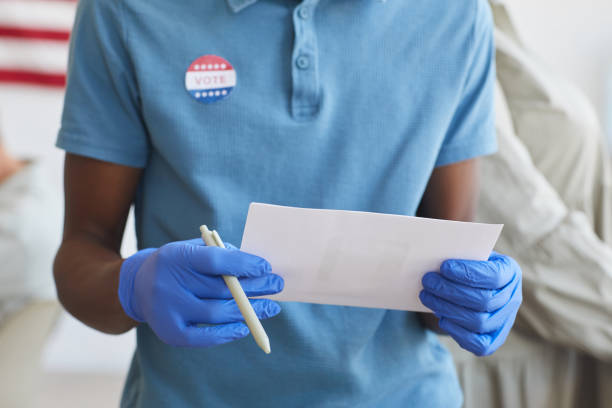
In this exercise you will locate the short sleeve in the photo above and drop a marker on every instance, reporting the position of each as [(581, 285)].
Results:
[(102, 117), (472, 129)]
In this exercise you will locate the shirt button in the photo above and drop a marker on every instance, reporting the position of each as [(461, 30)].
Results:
[(304, 13), (302, 62)]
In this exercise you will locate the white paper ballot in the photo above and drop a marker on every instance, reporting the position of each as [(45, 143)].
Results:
[(355, 258)]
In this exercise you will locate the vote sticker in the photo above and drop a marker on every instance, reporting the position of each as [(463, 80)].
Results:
[(210, 78)]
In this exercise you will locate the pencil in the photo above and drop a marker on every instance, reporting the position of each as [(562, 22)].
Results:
[(212, 238)]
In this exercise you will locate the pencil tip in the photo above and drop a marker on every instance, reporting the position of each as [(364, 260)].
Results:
[(265, 345)]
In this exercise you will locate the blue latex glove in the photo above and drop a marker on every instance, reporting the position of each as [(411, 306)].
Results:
[(476, 301), (178, 287)]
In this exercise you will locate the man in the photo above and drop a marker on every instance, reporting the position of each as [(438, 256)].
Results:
[(194, 110)]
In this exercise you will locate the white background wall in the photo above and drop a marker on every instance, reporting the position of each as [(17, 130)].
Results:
[(574, 36)]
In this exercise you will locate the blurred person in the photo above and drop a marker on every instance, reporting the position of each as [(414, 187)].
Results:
[(33, 54), (29, 222), (552, 174)]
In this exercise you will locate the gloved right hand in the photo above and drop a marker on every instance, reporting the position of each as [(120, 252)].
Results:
[(177, 288)]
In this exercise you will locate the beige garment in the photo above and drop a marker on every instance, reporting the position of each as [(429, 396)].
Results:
[(560, 129), (569, 300), (550, 185)]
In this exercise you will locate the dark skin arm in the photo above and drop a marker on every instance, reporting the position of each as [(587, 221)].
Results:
[(98, 198), (451, 194)]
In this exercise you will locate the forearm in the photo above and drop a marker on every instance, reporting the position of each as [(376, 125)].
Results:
[(87, 278), (451, 194)]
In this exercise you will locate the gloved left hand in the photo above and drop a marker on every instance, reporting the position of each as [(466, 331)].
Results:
[(476, 301)]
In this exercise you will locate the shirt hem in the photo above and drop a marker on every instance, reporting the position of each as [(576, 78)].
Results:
[(456, 154), (73, 145)]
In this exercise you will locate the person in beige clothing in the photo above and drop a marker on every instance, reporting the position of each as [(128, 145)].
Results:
[(29, 222), (552, 173)]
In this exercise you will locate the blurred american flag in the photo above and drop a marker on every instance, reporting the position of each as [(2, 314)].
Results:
[(34, 37)]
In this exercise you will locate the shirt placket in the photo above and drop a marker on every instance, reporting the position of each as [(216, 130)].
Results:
[(305, 98)]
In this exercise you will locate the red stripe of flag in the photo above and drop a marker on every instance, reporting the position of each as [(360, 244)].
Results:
[(51, 1), (33, 77), (34, 33)]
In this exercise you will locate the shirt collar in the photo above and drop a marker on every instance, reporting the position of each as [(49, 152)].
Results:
[(237, 5)]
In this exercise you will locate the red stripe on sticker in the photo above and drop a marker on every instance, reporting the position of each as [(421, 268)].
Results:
[(34, 33), (32, 78)]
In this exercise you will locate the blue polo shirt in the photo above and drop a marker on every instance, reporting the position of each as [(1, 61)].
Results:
[(339, 104)]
